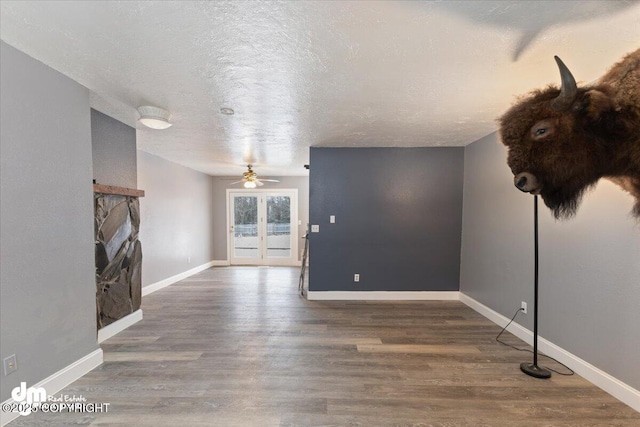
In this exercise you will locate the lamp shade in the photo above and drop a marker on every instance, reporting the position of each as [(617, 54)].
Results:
[(154, 117)]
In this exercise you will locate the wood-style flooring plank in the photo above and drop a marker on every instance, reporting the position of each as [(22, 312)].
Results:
[(151, 356), (416, 348)]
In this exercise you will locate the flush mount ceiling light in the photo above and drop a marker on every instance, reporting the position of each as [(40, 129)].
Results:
[(227, 111), (154, 117)]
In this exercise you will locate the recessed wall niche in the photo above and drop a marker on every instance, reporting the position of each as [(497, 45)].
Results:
[(118, 252)]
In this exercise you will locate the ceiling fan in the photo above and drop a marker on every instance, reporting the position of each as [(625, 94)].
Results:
[(250, 179)]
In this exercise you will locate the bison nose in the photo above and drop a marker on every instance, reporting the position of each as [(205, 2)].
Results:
[(526, 182), (522, 182)]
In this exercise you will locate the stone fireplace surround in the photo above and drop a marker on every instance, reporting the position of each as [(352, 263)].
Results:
[(118, 252)]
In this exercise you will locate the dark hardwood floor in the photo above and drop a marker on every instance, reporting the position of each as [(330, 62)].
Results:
[(238, 346)]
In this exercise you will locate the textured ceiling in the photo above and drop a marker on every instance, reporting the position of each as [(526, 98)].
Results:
[(301, 74)]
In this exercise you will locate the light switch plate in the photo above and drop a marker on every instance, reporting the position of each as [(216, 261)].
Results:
[(332, 219)]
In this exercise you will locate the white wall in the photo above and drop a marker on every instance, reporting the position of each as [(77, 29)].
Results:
[(222, 183), (176, 218), (589, 265), (48, 287)]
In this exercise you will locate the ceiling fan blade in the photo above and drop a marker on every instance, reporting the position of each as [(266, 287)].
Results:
[(260, 183), (269, 180), (237, 182)]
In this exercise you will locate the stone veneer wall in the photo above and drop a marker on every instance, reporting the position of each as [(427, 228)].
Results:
[(118, 257)]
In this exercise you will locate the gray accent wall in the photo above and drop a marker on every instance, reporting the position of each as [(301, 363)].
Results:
[(176, 224), (114, 151), (220, 186), (47, 292), (589, 265), (398, 218)]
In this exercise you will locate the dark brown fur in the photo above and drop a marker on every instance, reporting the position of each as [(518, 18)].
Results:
[(597, 137)]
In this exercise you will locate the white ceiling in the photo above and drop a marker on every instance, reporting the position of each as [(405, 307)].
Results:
[(301, 74)]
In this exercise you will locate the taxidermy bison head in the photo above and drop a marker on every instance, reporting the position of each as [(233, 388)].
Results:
[(562, 141)]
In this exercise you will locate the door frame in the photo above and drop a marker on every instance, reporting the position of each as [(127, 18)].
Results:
[(263, 193)]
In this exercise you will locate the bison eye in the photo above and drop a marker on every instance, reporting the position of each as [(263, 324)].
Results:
[(542, 129)]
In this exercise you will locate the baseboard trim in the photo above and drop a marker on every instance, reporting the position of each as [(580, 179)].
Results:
[(146, 290), (60, 380), (220, 263), (599, 378), (119, 325), (382, 295), (516, 329)]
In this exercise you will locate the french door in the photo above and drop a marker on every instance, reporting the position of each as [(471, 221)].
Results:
[(263, 227)]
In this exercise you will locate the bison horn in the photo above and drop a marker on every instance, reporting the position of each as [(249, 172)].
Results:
[(569, 90)]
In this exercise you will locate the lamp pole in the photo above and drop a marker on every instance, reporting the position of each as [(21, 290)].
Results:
[(533, 369)]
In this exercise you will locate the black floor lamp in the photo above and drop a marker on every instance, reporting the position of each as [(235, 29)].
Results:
[(533, 369)]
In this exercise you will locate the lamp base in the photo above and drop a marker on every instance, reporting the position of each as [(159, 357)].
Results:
[(535, 371)]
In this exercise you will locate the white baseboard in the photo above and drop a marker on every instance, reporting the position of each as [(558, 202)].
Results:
[(220, 263), (146, 290), (599, 378), (521, 332), (382, 295), (228, 264), (60, 380), (119, 325)]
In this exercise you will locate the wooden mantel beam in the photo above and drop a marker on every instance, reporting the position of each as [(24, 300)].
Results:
[(120, 191)]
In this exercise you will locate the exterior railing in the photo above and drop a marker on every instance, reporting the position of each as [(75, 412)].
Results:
[(273, 229)]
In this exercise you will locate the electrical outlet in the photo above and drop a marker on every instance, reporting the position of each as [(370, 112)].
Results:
[(10, 364), (356, 277), (315, 228), (523, 306)]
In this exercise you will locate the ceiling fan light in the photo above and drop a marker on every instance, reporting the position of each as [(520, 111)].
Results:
[(154, 117), (249, 184)]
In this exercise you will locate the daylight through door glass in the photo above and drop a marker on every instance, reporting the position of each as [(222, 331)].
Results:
[(278, 226), (245, 227)]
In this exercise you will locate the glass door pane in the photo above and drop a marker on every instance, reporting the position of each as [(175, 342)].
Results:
[(278, 227), (245, 227)]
